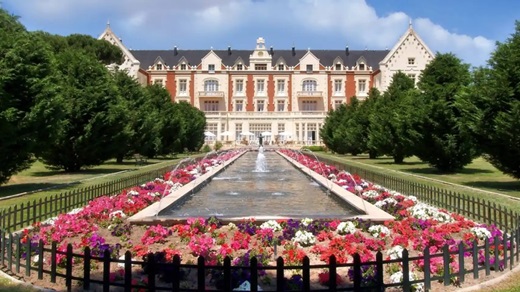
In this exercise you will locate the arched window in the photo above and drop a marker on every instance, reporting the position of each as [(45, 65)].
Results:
[(211, 85), (309, 85)]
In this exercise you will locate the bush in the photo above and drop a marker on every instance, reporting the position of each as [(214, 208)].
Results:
[(315, 148), (218, 145), (206, 148)]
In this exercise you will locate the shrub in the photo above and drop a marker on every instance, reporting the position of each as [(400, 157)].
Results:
[(218, 145), (315, 148), (206, 148)]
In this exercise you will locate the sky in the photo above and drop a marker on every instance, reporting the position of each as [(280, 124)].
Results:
[(467, 28)]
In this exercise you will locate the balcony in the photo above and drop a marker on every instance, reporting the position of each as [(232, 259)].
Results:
[(309, 94), (211, 93)]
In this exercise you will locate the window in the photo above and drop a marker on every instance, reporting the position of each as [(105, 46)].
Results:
[(309, 85), (362, 85), (281, 67), (337, 104), (309, 68), (210, 105), (310, 105), (182, 87), (338, 86), (338, 66), (211, 85), (183, 66), (260, 86), (260, 66), (411, 61), (239, 86), (361, 67), (412, 76), (280, 105), (211, 68), (280, 86), (260, 105), (239, 105), (158, 67), (158, 81), (239, 67)]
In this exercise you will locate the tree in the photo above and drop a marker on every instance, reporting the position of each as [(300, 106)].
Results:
[(447, 142), (333, 132), (27, 95), (93, 122), (193, 122), (497, 96), (355, 128), (369, 109), (392, 130)]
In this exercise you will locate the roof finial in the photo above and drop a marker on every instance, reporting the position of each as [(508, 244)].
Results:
[(108, 22), (410, 23)]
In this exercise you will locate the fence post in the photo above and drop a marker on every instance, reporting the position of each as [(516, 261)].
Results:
[(28, 259), (427, 273), (446, 265), (18, 253), (254, 274), (227, 273), (280, 280), (406, 271), (332, 273), (10, 252), (53, 262), (462, 272), (128, 272), (496, 254), (504, 245), (486, 256), (2, 244), (68, 273), (201, 282), (86, 268), (40, 259), (475, 259), (306, 274), (357, 272), (106, 271)]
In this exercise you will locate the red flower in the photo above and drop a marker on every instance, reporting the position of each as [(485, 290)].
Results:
[(324, 279)]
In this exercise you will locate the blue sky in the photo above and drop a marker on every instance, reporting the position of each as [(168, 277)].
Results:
[(467, 28)]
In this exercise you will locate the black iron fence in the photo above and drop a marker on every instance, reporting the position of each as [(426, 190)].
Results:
[(75, 269)]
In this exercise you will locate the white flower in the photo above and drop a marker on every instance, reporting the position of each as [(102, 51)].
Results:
[(304, 238), (425, 212), (133, 193), (116, 213), (306, 221), (36, 259), (379, 231), (50, 221), (158, 180), (371, 194), (332, 177), (75, 211), (395, 252), (231, 225), (387, 201), (346, 228), (397, 277), (412, 198), (481, 232), (271, 224)]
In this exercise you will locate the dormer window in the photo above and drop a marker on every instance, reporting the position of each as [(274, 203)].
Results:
[(211, 68), (309, 68), (281, 67), (158, 67), (361, 67), (239, 67), (183, 66), (411, 61), (338, 66)]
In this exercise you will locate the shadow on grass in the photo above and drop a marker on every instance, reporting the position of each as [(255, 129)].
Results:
[(437, 172), (391, 162), (29, 187), (81, 172), (496, 185)]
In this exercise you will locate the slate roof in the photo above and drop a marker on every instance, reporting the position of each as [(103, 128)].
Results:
[(194, 57)]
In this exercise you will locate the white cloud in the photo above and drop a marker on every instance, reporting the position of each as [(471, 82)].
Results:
[(197, 23)]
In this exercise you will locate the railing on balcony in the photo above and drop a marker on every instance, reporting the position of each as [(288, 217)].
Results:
[(211, 93), (272, 115), (309, 93)]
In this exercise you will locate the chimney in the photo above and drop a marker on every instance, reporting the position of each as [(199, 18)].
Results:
[(346, 51), (271, 51), (229, 50), (175, 53), (293, 51)]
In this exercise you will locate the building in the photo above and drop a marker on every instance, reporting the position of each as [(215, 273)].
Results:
[(285, 93)]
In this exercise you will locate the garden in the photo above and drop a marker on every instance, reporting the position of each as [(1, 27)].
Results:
[(424, 248)]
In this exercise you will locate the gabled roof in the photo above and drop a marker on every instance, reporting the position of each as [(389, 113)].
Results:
[(409, 31), (326, 57)]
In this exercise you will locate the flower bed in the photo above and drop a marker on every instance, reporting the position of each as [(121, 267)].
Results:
[(101, 226)]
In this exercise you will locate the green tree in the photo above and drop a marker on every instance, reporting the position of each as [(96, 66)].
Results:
[(355, 128), (27, 95), (333, 132), (193, 122), (447, 141), (93, 123), (392, 130), (367, 110), (497, 95)]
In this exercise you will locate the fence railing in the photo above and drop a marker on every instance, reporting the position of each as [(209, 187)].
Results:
[(18, 255), (23, 215), (470, 206)]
